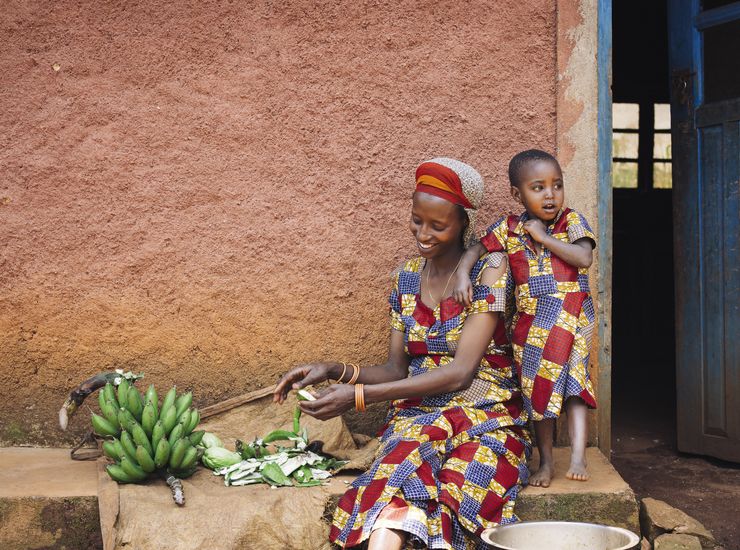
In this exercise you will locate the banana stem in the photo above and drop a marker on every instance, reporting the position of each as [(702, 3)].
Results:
[(80, 393), (178, 495)]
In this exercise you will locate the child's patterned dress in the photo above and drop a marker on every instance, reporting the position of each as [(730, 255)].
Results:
[(552, 328), (448, 465)]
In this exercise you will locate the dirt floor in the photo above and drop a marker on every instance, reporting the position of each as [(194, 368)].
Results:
[(644, 452)]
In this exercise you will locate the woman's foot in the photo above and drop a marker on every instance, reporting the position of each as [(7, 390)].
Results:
[(577, 470), (542, 477)]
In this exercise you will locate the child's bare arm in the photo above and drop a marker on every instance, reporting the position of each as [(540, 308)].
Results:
[(578, 254), (463, 289)]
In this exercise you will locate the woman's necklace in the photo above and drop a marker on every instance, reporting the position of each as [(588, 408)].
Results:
[(429, 286)]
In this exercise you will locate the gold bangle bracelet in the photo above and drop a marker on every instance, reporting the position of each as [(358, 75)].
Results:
[(355, 374), (360, 397)]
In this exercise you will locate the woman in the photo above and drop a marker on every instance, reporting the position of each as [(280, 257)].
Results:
[(453, 453)]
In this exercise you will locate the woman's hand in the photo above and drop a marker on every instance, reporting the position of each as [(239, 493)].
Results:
[(331, 402), (300, 377)]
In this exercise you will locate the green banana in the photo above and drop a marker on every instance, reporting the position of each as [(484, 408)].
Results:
[(119, 449), (184, 419), (118, 474), (162, 456), (129, 449), (278, 435), (169, 401), (109, 450), (189, 459), (132, 469), (126, 419), (148, 418), (141, 438), (123, 392), (194, 421), (135, 403), (151, 395), (175, 435), (196, 437), (168, 418), (183, 402), (178, 452), (110, 394), (157, 434), (274, 475), (109, 410), (102, 427), (145, 460)]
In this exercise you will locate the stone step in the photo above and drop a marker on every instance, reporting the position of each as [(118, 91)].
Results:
[(48, 500), (605, 498)]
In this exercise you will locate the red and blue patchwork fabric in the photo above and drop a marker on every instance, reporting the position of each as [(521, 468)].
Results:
[(554, 321), (448, 465)]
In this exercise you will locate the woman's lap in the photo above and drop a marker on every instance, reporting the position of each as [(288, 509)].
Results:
[(452, 483)]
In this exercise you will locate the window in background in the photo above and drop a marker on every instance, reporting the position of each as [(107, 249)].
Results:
[(662, 173), (625, 141)]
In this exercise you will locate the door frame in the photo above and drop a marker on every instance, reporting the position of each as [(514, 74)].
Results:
[(605, 241)]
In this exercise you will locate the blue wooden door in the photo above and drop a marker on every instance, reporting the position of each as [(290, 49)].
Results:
[(705, 108)]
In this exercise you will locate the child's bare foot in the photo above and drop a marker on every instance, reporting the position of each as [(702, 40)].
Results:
[(542, 477), (577, 471)]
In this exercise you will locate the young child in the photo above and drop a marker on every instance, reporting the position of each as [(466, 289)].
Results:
[(550, 249)]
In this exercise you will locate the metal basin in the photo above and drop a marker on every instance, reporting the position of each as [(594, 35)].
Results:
[(560, 535)]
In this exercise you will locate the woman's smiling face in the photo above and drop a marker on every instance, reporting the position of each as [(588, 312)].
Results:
[(436, 224)]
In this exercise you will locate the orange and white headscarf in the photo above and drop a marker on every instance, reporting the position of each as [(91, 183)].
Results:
[(453, 181)]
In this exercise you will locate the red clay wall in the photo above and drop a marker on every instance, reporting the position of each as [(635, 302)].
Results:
[(211, 192)]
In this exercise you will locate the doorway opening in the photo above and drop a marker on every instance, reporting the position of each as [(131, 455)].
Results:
[(643, 341)]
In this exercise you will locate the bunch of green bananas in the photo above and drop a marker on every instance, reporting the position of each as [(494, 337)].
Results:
[(145, 436)]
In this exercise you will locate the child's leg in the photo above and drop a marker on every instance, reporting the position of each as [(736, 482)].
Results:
[(386, 539), (544, 431), (576, 410)]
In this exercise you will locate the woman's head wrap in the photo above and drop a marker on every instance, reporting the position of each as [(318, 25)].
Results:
[(453, 181)]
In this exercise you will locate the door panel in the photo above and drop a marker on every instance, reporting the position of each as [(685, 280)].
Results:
[(706, 137)]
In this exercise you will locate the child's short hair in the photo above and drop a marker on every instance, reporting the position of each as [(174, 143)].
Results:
[(520, 160)]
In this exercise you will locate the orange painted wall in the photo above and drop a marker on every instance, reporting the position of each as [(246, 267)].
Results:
[(211, 192)]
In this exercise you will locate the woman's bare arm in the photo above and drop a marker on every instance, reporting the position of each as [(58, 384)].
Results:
[(455, 376), (395, 368)]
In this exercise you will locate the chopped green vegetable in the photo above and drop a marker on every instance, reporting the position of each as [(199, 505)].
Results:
[(210, 440), (218, 457), (274, 475)]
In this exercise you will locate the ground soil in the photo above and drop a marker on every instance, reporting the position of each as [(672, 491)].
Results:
[(645, 454)]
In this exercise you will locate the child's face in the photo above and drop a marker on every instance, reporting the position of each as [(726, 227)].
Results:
[(540, 190)]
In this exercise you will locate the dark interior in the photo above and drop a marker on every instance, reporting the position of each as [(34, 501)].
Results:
[(643, 346)]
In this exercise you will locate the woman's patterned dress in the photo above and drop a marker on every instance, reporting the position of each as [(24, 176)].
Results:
[(552, 327), (449, 465)]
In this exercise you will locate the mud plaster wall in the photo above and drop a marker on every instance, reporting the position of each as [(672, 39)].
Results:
[(211, 192), (578, 149)]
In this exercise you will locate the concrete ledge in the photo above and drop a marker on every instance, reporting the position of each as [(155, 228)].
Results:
[(50, 501), (605, 498), (47, 500)]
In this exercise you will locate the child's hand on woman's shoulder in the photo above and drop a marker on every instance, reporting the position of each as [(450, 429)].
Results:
[(536, 229), (462, 292)]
